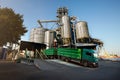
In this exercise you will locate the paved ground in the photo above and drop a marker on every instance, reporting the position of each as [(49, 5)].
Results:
[(107, 70), (58, 70)]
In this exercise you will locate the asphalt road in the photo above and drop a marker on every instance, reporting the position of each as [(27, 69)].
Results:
[(59, 70)]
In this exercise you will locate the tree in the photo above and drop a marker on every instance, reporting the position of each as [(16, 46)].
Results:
[(11, 26)]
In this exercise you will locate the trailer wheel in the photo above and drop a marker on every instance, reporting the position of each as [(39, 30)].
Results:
[(59, 57), (51, 57), (62, 58), (66, 60)]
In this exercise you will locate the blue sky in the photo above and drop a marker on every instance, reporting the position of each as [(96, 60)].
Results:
[(103, 16)]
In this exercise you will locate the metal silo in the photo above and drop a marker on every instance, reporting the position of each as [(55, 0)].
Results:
[(37, 35), (65, 30), (82, 30), (31, 35), (49, 37)]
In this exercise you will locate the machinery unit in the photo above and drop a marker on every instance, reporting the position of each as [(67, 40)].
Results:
[(37, 35), (71, 41), (61, 12)]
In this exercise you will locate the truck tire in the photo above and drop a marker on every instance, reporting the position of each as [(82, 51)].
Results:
[(91, 66), (85, 64)]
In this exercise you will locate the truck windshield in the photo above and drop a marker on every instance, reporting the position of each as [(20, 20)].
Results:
[(89, 54)]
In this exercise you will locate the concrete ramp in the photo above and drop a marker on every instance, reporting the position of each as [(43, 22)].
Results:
[(53, 64)]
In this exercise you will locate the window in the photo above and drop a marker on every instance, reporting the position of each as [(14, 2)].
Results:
[(88, 53)]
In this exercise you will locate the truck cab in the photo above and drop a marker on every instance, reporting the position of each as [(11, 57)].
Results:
[(89, 58)]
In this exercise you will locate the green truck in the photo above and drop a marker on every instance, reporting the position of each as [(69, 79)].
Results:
[(85, 57)]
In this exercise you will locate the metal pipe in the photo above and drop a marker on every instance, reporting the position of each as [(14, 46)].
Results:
[(40, 23), (46, 21)]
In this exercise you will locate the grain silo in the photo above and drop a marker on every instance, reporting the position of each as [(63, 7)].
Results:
[(49, 37), (65, 30), (82, 32), (37, 35)]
